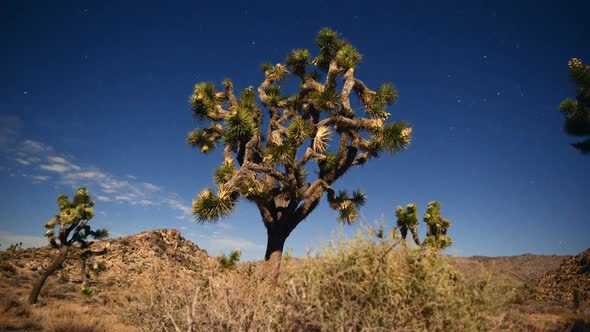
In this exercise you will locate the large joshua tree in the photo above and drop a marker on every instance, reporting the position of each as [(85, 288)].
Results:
[(268, 159), (577, 112), (68, 232)]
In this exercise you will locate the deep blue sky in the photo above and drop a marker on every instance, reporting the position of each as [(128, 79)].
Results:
[(95, 94)]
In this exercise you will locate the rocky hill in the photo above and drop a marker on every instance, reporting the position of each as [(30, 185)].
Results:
[(572, 275), (126, 255), (114, 277)]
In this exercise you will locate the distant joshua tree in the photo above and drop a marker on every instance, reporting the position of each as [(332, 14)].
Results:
[(407, 220), (267, 160), (436, 225), (68, 232), (577, 112)]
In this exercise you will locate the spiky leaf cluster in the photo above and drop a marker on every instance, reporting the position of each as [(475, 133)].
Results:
[(298, 130), (210, 207), (70, 225), (347, 56), (203, 100), (348, 206), (376, 105), (329, 44), (224, 172), (297, 61), (316, 127), (577, 112), (202, 139), (327, 99)]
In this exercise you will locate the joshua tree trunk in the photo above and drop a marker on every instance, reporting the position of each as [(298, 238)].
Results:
[(55, 265), (276, 237), (414, 231)]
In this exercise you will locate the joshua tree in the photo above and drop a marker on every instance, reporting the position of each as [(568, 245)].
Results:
[(437, 227), (268, 159), (68, 232), (407, 220), (577, 112)]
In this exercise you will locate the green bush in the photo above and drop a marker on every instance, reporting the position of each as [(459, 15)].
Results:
[(230, 261)]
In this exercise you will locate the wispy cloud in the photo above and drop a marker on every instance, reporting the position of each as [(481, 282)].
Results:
[(54, 168), (40, 177), (41, 162), (220, 243), (103, 198), (22, 161), (151, 187), (30, 146)]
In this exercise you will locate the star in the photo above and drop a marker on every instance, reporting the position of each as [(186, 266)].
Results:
[(485, 57), (25, 92)]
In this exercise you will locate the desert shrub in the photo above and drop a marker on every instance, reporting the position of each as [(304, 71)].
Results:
[(86, 291), (229, 261), (576, 298), (7, 267), (364, 283), (359, 284)]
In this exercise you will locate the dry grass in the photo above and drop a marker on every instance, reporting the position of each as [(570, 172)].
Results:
[(359, 284), (73, 320), (16, 316)]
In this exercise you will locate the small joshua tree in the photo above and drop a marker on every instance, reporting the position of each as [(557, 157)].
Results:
[(437, 227), (267, 160), (407, 220), (577, 112), (68, 232)]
